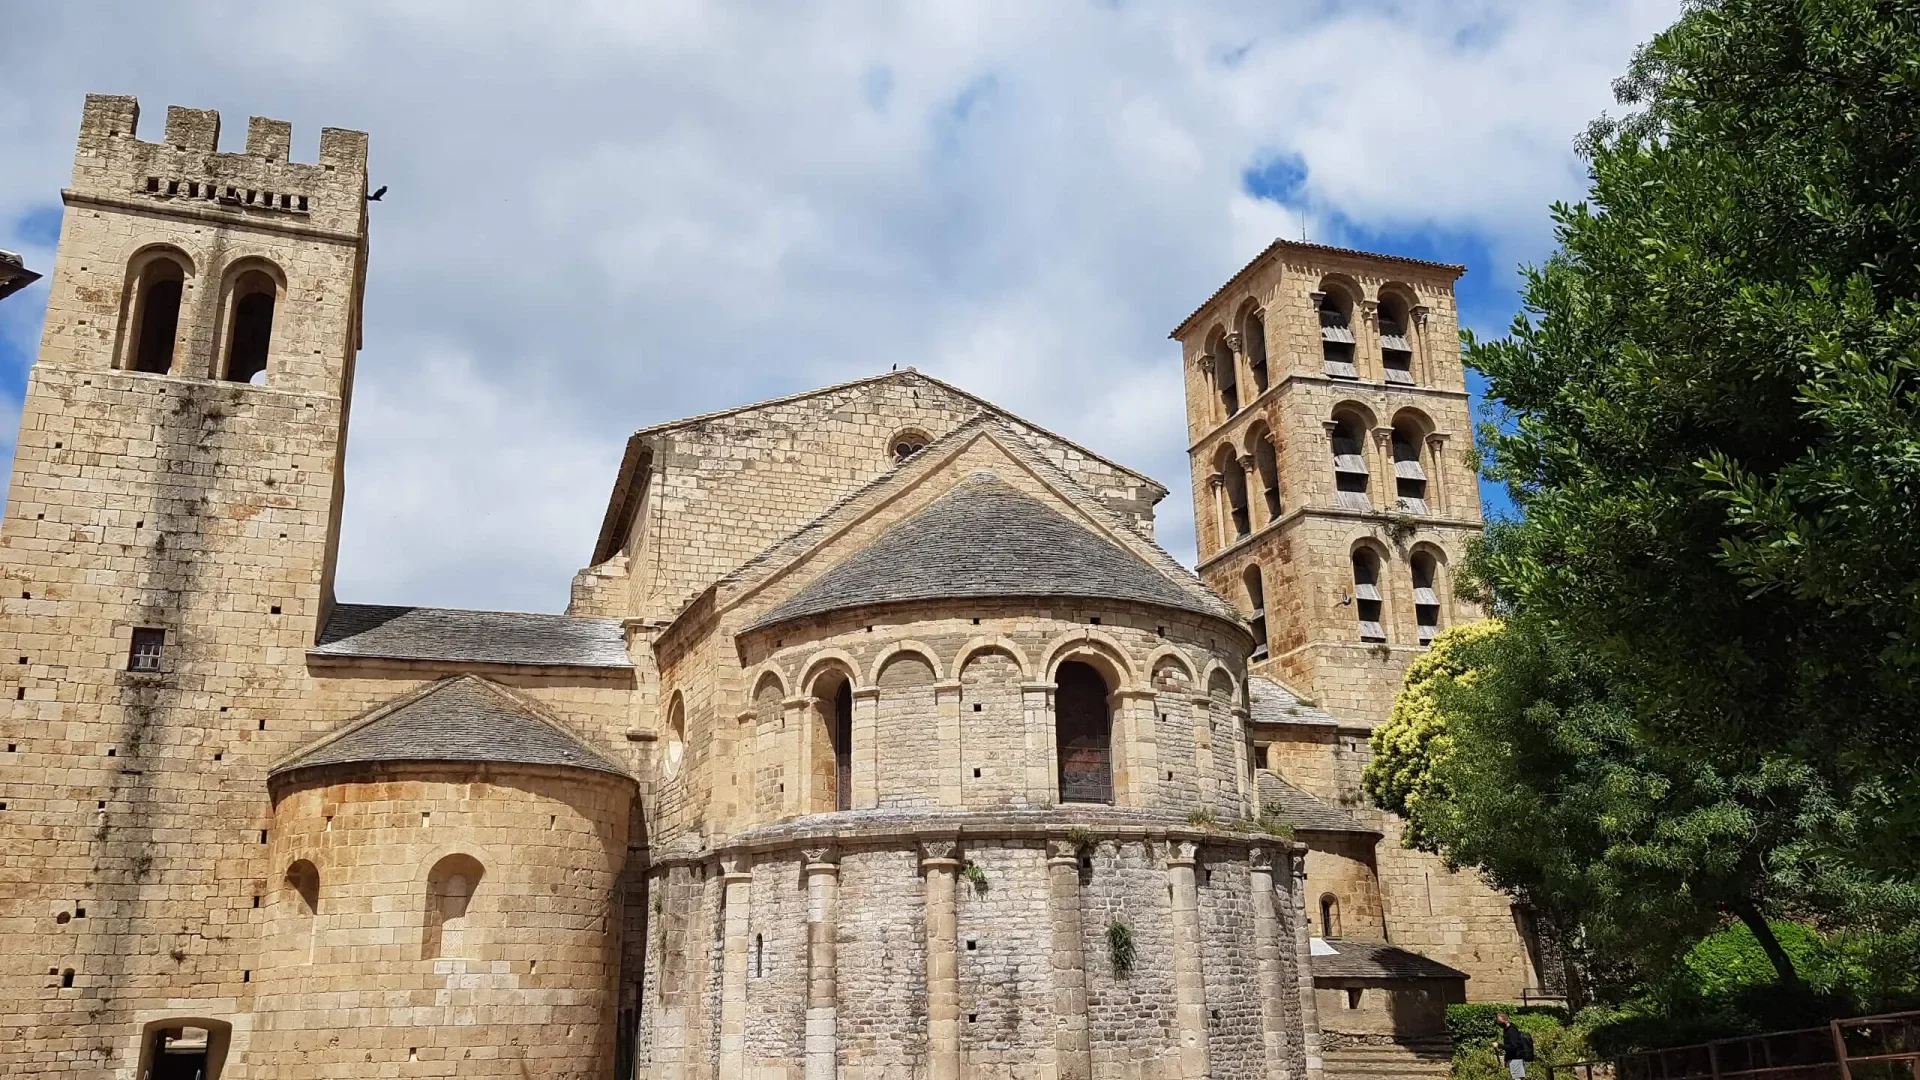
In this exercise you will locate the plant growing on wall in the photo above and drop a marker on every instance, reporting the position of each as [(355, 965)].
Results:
[(1120, 947), (973, 873), (1203, 818), (1081, 838)]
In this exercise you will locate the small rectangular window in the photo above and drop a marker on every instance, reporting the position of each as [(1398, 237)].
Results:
[(148, 643)]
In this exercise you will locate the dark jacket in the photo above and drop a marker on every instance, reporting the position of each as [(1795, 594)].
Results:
[(1515, 1045)]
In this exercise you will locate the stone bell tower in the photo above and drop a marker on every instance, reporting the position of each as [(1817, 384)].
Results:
[(1329, 429), (166, 559)]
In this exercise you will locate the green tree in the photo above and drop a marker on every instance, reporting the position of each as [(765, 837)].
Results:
[(1713, 428), (1516, 751)]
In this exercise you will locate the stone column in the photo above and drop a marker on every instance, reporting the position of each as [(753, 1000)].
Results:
[(738, 884), (1244, 787), (1423, 353), (1213, 384), (1217, 492), (1327, 476), (796, 746), (1203, 782), (951, 790), (1236, 355), (1189, 982), (1043, 762), (1303, 960), (1388, 495), (1072, 1055), (1437, 483), (1366, 337), (1266, 952), (822, 1037), (940, 861), (1256, 500), (1135, 750), (866, 747), (670, 1027)]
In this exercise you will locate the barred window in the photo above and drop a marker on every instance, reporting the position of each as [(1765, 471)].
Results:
[(148, 646)]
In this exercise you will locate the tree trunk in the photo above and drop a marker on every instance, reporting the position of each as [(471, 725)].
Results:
[(1782, 963)]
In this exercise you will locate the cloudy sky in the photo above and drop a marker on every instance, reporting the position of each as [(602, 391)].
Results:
[(607, 214)]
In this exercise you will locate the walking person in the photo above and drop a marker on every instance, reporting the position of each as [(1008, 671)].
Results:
[(1515, 1046)]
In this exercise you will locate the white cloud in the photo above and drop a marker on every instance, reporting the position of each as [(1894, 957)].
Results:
[(607, 214)]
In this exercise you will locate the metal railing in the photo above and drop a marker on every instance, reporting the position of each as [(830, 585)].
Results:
[(1858, 1048)]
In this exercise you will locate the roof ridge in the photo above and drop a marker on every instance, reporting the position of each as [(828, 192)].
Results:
[(801, 395), (479, 611)]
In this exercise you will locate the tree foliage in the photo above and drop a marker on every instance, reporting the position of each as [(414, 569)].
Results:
[(1712, 426)]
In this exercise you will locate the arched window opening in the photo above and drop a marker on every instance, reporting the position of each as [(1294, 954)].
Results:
[(675, 751), (156, 315), (303, 880), (908, 443), (451, 885), (1083, 734), (1336, 332), (1396, 350), (1409, 476), (1236, 478), (1426, 599), (1329, 917), (1255, 338), (1366, 595), (1257, 604), (1349, 464), (759, 955), (1267, 464), (250, 327), (832, 756), (1225, 377)]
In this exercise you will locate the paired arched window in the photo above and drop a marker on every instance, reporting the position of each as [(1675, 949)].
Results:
[(832, 763), (1329, 917), (1253, 337), (451, 885), (1367, 601), (1336, 331), (1083, 734), (153, 323), (1396, 345), (908, 443), (1426, 595), (1348, 438), (252, 294), (1257, 604), (1266, 464), (1409, 474)]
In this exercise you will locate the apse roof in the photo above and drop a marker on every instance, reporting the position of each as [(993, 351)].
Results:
[(465, 718), (1303, 811), (483, 637), (986, 539)]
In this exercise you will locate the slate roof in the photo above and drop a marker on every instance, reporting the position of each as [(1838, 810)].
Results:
[(1368, 960), (986, 539), (475, 637), (1268, 702), (464, 718), (1304, 811)]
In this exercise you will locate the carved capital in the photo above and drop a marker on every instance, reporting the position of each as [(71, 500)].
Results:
[(1383, 436), (1259, 859), (1369, 309), (1215, 482), (1206, 363), (820, 857), (736, 867), (1419, 312), (1317, 297), (943, 851), (1246, 462), (1332, 426), (1062, 851), (1233, 342), (1182, 853)]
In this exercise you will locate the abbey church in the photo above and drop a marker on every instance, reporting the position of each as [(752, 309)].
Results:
[(879, 740)]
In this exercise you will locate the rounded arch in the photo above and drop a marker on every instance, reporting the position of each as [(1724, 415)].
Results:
[(1412, 464), (1373, 544), (1329, 917), (899, 648), (1357, 410), (1262, 444), (1369, 560), (1426, 572), (758, 676), (1251, 324), (674, 753), (827, 659), (303, 880), (1170, 656), (975, 646), (453, 885), (1257, 432), (1414, 420), (907, 442), (256, 264), (1341, 292), (144, 252), (153, 297), (1096, 648), (1226, 377), (1216, 674), (1397, 297)]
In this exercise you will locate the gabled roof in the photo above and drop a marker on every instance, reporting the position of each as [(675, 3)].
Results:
[(474, 637), (463, 718), (1302, 810), (1342, 959), (985, 539), (1322, 249), (1270, 702), (638, 445)]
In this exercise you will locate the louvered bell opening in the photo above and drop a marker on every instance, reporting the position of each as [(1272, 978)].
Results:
[(1371, 631), (1352, 463), (1259, 652), (1340, 369), (1337, 335), (1426, 597), (1401, 376), (1429, 626), (1272, 496), (1411, 505), (1409, 469), (1352, 500), (1394, 341), (1367, 592)]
